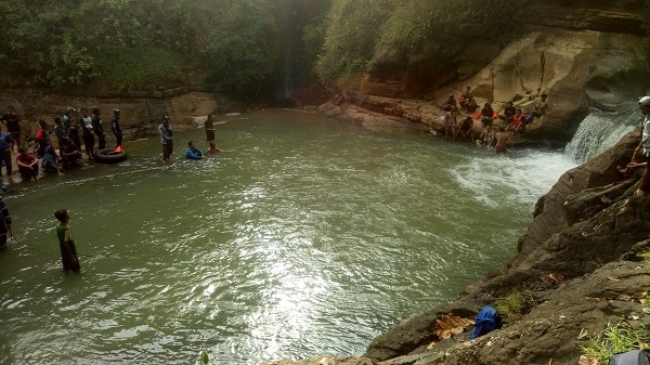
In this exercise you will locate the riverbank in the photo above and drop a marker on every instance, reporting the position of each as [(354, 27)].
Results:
[(579, 264)]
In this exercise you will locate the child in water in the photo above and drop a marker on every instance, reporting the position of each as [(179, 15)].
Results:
[(66, 243)]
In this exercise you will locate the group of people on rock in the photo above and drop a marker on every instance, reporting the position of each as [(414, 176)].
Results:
[(513, 118)]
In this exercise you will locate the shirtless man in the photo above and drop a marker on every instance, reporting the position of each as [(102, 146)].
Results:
[(539, 109), (501, 138), (450, 123)]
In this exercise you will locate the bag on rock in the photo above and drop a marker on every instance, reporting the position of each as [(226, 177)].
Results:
[(487, 320), (634, 357)]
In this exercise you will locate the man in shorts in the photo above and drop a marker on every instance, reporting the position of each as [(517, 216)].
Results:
[(166, 139), (501, 138)]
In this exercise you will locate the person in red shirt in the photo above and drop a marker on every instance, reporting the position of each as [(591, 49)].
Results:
[(27, 164)]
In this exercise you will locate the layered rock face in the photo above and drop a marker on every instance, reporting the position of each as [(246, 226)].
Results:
[(580, 54), (139, 115)]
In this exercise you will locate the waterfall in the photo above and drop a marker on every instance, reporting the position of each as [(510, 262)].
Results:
[(601, 130)]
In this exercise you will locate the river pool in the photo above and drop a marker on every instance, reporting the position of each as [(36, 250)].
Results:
[(307, 236)]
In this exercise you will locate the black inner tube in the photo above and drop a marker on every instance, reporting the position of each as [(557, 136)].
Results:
[(104, 156)]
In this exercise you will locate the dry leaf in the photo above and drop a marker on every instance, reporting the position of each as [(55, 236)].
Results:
[(583, 334), (556, 279), (587, 360), (448, 325)]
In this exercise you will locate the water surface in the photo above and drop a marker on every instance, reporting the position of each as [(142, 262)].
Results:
[(308, 236)]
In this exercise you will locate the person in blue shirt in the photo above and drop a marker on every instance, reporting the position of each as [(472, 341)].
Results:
[(193, 152), (5, 152)]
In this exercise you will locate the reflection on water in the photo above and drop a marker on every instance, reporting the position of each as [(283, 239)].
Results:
[(306, 237)]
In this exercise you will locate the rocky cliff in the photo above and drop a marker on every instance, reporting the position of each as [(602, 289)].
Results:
[(580, 264), (583, 54)]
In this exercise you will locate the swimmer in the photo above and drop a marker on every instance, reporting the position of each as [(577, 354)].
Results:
[(193, 152), (213, 149)]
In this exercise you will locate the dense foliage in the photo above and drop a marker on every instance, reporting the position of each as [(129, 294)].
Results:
[(357, 29), (244, 47), (121, 45)]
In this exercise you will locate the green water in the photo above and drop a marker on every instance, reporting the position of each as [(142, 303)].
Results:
[(307, 236)]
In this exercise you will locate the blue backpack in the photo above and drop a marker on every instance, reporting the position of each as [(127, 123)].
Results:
[(487, 320)]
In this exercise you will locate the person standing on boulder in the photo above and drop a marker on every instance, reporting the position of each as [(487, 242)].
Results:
[(644, 186)]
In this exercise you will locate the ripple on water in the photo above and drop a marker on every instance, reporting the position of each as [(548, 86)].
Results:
[(288, 245)]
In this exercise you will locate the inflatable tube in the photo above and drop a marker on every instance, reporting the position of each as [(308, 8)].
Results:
[(103, 156)]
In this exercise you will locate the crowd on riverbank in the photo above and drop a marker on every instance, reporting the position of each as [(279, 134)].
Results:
[(80, 137)]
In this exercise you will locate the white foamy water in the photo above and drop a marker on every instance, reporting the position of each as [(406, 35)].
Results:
[(600, 130), (528, 175)]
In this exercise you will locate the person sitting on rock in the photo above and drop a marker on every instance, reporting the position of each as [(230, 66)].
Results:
[(50, 160), (508, 113), (516, 121), (486, 138), (539, 109), (463, 97), (487, 115), (465, 128)]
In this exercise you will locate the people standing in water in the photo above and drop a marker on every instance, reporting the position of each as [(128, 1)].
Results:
[(88, 134), (166, 139), (5, 226), (501, 138), (644, 147), (5, 152), (12, 122), (98, 128), (27, 164), (450, 123), (209, 129), (115, 127), (193, 152), (68, 248)]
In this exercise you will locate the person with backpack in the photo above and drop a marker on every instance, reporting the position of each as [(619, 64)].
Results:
[(98, 128), (5, 152)]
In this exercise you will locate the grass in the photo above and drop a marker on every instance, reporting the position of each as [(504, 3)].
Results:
[(516, 303), (616, 338)]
